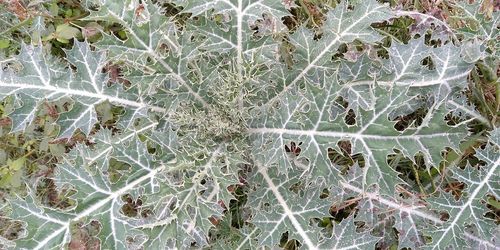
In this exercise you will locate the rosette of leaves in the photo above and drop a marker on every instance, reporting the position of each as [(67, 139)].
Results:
[(209, 101)]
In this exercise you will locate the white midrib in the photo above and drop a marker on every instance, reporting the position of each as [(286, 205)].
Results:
[(340, 236), (356, 246), (412, 84), (192, 223), (480, 241), (93, 185), (391, 204), (38, 70), (473, 17), (372, 164), (27, 120), (42, 244), (181, 205), (314, 133), (218, 37), (469, 202), (322, 111), (74, 92), (92, 76), (42, 217), (406, 63), (248, 238), (412, 210), (471, 112), (74, 125), (378, 114), (288, 212), (239, 46), (135, 161), (436, 104)]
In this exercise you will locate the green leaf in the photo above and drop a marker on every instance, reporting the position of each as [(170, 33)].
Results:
[(65, 31), (12, 173), (4, 44)]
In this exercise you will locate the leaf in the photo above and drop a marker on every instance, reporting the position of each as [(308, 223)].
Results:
[(66, 32), (98, 199), (342, 26), (478, 23), (43, 78), (285, 216), (12, 173), (469, 211), (404, 69), (409, 216), (288, 205), (345, 237), (4, 44), (146, 35), (305, 118), (236, 35)]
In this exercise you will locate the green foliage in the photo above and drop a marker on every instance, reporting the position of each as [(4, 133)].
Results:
[(218, 124)]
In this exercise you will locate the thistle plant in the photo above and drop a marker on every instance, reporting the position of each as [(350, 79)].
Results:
[(227, 120)]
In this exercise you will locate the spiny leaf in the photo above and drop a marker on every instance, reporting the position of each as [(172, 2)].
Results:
[(97, 198), (342, 26), (478, 23), (148, 32), (344, 236), (306, 119), (43, 78), (469, 211)]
